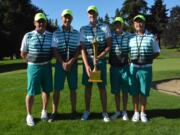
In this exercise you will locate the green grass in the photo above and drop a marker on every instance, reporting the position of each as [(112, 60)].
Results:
[(163, 109)]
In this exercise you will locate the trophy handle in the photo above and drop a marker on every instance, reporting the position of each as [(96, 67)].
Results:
[(95, 45)]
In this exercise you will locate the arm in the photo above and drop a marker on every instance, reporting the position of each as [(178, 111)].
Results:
[(57, 55), (85, 60), (106, 50)]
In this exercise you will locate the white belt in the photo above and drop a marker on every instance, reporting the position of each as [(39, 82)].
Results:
[(43, 63), (141, 66)]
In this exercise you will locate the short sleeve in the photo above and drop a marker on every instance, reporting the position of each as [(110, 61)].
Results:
[(24, 47), (54, 41), (155, 46)]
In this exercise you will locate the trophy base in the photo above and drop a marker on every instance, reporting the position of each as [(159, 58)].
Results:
[(95, 77)]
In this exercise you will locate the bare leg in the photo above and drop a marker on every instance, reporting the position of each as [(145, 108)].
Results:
[(143, 101), (45, 100), (88, 91), (29, 104), (117, 102), (73, 96), (135, 103), (55, 102), (103, 97), (125, 100)]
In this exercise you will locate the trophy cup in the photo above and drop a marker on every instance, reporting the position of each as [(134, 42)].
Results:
[(95, 75)]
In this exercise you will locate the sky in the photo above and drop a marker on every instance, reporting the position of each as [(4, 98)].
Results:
[(53, 8)]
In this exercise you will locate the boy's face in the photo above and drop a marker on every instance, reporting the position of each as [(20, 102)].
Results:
[(66, 20), (92, 15), (40, 25), (118, 26), (139, 25)]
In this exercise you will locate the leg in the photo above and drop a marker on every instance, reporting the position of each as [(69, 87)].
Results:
[(55, 102), (103, 97), (45, 100), (29, 104), (125, 100), (143, 101), (88, 91), (73, 96), (135, 102), (117, 102)]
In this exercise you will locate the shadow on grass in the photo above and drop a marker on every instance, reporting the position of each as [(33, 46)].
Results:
[(12, 67), (167, 113)]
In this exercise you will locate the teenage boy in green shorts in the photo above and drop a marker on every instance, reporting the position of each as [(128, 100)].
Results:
[(36, 49), (66, 49), (100, 32), (119, 70), (143, 49)]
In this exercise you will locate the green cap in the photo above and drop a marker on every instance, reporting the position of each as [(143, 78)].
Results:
[(118, 19), (39, 16), (140, 17), (93, 8), (66, 12)]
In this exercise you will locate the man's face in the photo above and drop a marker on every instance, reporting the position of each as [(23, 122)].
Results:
[(40, 24), (139, 25), (118, 26), (66, 20), (92, 15)]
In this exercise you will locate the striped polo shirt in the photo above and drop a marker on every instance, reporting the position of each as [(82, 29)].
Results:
[(67, 42), (100, 33), (142, 48), (118, 55), (38, 46)]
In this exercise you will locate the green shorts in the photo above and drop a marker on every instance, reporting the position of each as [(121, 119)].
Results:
[(39, 78), (119, 79), (140, 80), (61, 74), (101, 65)]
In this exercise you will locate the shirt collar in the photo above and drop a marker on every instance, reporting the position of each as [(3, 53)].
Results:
[(71, 29), (145, 33), (97, 24), (35, 31)]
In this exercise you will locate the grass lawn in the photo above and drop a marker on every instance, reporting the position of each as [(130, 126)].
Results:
[(162, 109)]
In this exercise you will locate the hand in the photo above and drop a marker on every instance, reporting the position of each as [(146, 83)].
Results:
[(65, 66)]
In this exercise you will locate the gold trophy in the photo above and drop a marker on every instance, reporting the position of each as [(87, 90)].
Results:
[(95, 75)]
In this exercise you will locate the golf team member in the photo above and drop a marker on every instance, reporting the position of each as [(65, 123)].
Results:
[(103, 36), (66, 49), (36, 49), (143, 49), (119, 70)]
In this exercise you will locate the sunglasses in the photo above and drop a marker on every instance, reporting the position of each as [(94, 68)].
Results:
[(41, 21)]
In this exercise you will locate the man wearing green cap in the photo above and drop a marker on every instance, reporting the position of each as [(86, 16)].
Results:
[(143, 49), (100, 32), (36, 50), (119, 70), (66, 49)]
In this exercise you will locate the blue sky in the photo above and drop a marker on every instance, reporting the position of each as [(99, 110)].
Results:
[(53, 8)]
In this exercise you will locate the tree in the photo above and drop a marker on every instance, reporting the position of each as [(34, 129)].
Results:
[(16, 19), (131, 8), (158, 18), (107, 19), (171, 35)]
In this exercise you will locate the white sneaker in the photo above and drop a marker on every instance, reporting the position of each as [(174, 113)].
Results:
[(125, 116), (29, 120), (135, 117), (105, 117), (116, 115), (44, 115), (143, 117), (85, 116)]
